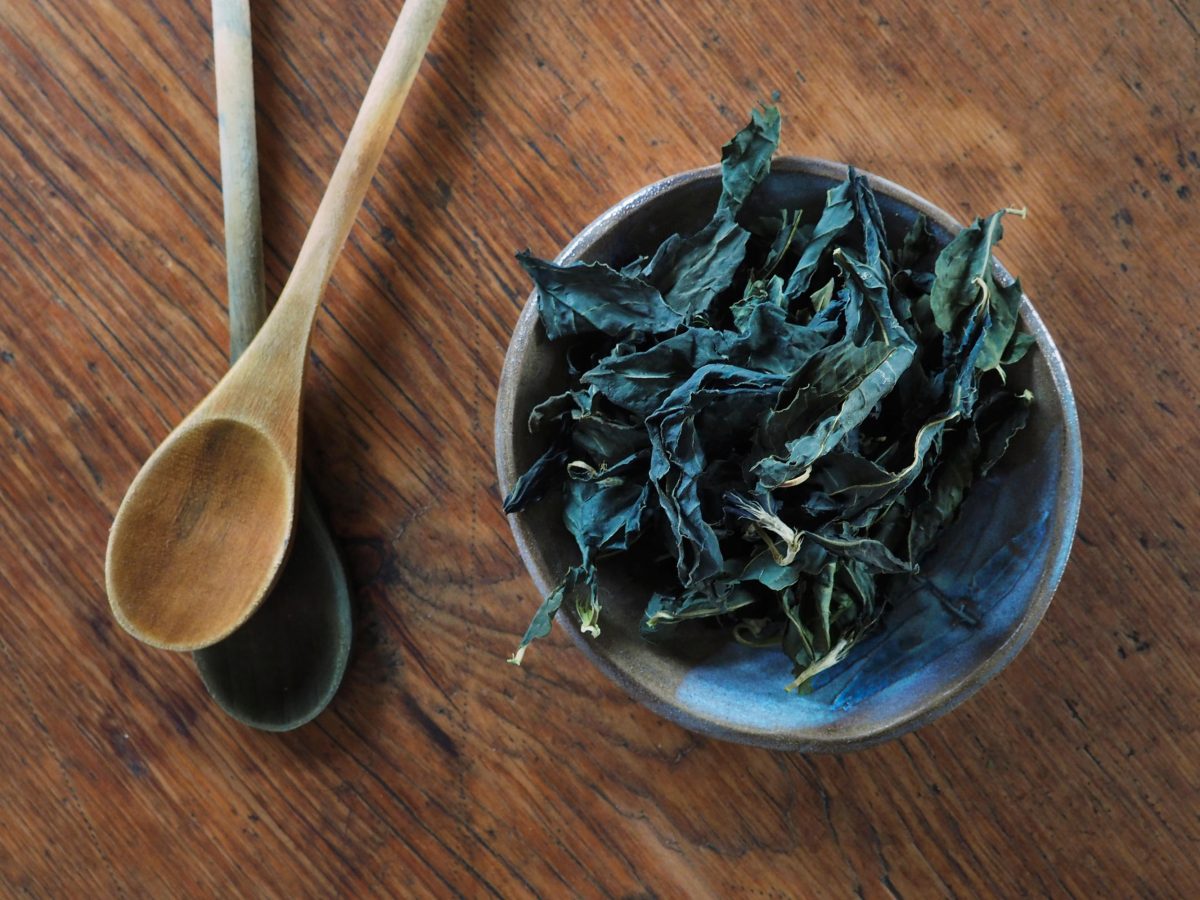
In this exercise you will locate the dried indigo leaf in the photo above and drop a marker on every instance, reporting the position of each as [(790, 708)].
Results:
[(584, 298), (789, 450), (605, 510), (678, 461), (543, 619), (545, 471), (746, 159), (964, 277), (835, 218), (690, 272), (707, 601), (827, 398), (917, 243)]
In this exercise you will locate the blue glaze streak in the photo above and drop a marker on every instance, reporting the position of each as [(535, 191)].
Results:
[(921, 645)]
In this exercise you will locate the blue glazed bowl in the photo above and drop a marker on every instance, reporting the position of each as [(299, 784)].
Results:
[(921, 661)]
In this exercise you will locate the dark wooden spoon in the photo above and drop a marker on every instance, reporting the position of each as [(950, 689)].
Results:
[(281, 668)]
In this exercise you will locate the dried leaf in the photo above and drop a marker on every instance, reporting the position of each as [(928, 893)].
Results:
[(585, 298), (794, 451)]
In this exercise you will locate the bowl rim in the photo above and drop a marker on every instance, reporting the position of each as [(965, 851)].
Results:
[(953, 692)]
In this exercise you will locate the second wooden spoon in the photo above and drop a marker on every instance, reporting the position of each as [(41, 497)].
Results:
[(282, 667), (204, 529)]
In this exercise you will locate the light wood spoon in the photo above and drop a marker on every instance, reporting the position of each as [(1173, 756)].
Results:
[(206, 524), (282, 667)]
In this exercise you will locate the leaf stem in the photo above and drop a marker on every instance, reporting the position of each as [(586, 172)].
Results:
[(835, 655)]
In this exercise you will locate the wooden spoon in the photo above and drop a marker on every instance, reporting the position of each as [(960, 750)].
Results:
[(206, 524), (282, 667)]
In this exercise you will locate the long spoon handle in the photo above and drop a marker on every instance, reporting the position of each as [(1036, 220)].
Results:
[(239, 172), (266, 385), (356, 167)]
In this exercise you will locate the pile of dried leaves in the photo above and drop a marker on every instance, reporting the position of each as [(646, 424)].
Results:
[(789, 411)]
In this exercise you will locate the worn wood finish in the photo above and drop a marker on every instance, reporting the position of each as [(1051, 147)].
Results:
[(439, 769), (203, 531)]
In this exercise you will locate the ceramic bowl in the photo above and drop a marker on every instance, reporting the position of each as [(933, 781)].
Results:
[(921, 662)]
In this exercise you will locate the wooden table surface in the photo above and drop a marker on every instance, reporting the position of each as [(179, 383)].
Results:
[(439, 770)]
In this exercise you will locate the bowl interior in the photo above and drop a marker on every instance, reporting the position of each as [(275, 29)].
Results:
[(1005, 553)]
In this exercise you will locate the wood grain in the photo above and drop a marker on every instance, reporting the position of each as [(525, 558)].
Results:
[(439, 770)]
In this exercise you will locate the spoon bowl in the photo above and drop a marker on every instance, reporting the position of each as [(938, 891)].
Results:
[(211, 506)]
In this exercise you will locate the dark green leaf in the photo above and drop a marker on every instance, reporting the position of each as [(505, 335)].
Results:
[(823, 597), (605, 510), (868, 284), (767, 292), (786, 235), (828, 397), (552, 410), (703, 602), (543, 619), (1009, 417), (822, 296), (606, 439), (878, 257), (918, 242), (639, 382), (1018, 347), (547, 470), (586, 298), (965, 278), (963, 270), (1005, 306), (947, 490), (798, 639), (690, 272), (766, 571), (746, 159), (770, 343), (835, 219), (870, 553), (678, 461)]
